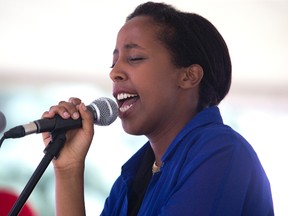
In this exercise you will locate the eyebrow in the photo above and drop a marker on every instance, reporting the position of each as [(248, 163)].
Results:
[(128, 47)]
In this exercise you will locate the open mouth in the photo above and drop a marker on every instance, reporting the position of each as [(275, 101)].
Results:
[(126, 101)]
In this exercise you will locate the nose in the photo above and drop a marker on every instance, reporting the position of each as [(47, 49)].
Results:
[(117, 74)]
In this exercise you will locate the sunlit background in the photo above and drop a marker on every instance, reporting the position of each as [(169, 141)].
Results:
[(52, 50)]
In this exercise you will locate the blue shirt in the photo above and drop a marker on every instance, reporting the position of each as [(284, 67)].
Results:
[(209, 169)]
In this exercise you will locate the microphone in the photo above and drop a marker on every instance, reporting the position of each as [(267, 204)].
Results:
[(105, 111), (2, 122)]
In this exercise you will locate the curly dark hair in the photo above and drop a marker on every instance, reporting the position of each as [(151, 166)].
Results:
[(192, 39)]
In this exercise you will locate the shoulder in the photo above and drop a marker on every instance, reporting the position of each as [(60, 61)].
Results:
[(219, 141)]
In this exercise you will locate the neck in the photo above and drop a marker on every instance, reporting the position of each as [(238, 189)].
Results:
[(161, 141), (162, 136)]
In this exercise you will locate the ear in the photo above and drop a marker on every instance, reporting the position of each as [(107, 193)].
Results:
[(190, 76)]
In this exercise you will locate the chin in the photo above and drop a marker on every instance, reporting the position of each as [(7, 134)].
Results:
[(132, 130)]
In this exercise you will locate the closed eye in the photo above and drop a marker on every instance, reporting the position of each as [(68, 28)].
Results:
[(136, 60), (113, 64), (133, 60)]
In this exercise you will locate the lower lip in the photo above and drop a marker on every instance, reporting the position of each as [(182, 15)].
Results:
[(128, 111)]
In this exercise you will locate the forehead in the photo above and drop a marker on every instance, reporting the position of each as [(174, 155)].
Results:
[(140, 31)]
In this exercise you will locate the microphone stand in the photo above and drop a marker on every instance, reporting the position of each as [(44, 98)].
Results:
[(51, 151)]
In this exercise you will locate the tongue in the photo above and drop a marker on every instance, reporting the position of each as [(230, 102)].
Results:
[(129, 101)]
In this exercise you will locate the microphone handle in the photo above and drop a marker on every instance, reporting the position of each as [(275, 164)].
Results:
[(44, 125), (57, 123)]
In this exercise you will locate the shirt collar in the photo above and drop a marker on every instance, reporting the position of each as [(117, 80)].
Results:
[(206, 116)]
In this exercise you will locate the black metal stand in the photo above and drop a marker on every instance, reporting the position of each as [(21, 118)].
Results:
[(51, 151)]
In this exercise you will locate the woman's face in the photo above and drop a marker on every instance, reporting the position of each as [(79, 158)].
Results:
[(145, 82)]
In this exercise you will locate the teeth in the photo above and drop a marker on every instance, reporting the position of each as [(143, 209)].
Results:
[(125, 108), (122, 96)]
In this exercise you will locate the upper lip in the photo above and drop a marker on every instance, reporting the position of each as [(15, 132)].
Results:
[(120, 93)]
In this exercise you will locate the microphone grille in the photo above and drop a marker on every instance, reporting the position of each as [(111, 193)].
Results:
[(105, 111), (2, 122)]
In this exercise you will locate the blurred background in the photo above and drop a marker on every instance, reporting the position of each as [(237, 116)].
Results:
[(52, 50)]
